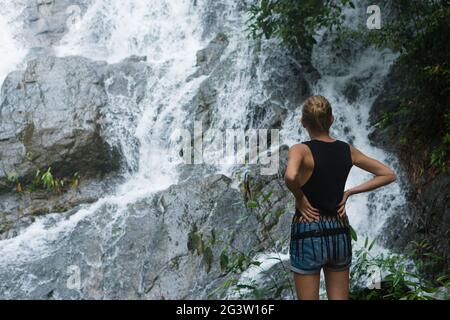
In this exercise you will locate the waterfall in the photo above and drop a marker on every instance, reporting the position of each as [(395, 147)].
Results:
[(12, 51), (169, 34)]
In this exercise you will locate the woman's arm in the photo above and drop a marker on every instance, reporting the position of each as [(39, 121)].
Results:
[(292, 180), (383, 176)]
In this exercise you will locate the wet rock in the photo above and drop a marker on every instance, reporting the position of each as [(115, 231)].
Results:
[(216, 15), (274, 201), (59, 112), (352, 90), (46, 21), (209, 57), (425, 215), (281, 78), (20, 210), (36, 52), (49, 117), (139, 253), (128, 78), (203, 104), (387, 101)]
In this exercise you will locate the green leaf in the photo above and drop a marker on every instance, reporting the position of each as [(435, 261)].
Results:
[(200, 245), (429, 290), (267, 197), (353, 234), (191, 243), (209, 257), (223, 259), (213, 236), (252, 204), (372, 244)]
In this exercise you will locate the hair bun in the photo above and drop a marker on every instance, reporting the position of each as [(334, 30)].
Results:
[(317, 113)]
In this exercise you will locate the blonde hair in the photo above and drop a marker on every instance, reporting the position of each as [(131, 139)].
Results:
[(317, 113)]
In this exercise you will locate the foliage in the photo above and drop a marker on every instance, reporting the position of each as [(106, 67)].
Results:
[(418, 30), (232, 262), (44, 181), (295, 22), (197, 244), (13, 179), (402, 275)]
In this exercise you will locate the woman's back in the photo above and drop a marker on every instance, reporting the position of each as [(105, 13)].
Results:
[(332, 162), (316, 173)]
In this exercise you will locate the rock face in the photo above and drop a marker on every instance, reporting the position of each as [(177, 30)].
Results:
[(143, 250), (209, 57), (149, 257), (59, 113), (46, 21), (387, 101), (282, 80), (425, 215), (49, 117), (54, 114), (275, 202), (19, 210)]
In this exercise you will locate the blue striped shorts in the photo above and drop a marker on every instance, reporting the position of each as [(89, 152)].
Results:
[(320, 244)]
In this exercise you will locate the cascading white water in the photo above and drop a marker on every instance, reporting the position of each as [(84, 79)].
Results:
[(169, 33), (367, 212), (168, 36), (12, 50)]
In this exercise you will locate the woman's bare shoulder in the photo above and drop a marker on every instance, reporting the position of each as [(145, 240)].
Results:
[(297, 152), (298, 148)]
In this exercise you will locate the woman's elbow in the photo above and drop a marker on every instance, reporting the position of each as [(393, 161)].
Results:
[(289, 177)]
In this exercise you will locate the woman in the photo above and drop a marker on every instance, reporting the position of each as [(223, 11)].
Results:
[(316, 174)]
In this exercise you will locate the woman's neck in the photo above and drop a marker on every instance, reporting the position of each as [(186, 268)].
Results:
[(325, 136)]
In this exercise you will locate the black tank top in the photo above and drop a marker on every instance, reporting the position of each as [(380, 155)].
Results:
[(332, 164)]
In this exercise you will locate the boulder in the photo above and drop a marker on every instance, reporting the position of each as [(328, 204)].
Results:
[(47, 21), (49, 118), (19, 210), (209, 57), (137, 251), (62, 113)]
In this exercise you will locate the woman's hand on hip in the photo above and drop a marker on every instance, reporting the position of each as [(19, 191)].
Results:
[(308, 212), (341, 206)]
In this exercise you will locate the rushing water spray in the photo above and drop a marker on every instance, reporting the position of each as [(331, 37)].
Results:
[(12, 50), (366, 69), (168, 34)]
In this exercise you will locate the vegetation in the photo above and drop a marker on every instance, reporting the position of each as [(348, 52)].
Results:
[(401, 276), (417, 30), (44, 181), (231, 261), (234, 262), (295, 22), (398, 276)]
